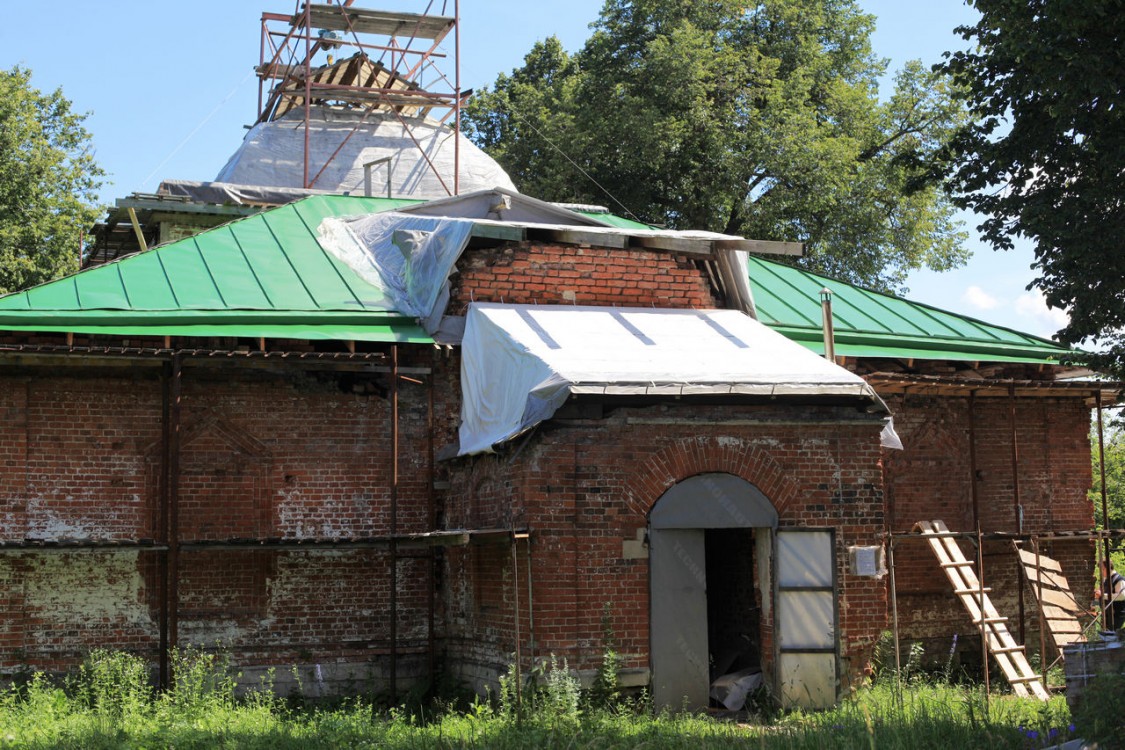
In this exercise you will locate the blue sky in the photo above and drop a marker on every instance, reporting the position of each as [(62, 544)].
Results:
[(169, 88)]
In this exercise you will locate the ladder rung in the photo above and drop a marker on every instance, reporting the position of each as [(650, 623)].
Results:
[(955, 564), (985, 590), (1005, 650), (1030, 678), (988, 620)]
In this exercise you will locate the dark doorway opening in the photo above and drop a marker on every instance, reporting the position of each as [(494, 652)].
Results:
[(733, 602)]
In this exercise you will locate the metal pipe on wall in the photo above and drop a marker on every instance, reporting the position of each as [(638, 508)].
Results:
[(1106, 610), (1042, 617), (894, 615), (516, 615), (1017, 505), (162, 518), (983, 624), (974, 491), (431, 522), (530, 605), (173, 533), (394, 524), (826, 321)]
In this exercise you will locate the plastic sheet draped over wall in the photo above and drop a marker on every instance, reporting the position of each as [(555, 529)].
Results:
[(520, 363), (409, 258)]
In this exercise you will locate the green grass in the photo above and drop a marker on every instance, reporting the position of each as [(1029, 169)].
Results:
[(108, 705)]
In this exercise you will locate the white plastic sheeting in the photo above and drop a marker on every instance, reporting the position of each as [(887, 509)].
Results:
[(520, 363), (273, 155), (410, 258)]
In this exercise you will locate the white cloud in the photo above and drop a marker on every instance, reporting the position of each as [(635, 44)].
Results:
[(1033, 305), (980, 299)]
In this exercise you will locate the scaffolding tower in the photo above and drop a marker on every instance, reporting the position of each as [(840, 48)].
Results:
[(365, 61)]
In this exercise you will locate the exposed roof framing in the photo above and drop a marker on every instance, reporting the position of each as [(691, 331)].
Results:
[(938, 385), (357, 81)]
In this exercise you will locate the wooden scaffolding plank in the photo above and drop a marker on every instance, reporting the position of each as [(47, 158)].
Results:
[(1061, 599), (1008, 654), (1052, 591), (1046, 563), (1049, 579)]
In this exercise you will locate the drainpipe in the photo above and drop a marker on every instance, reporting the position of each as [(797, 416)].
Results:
[(829, 334)]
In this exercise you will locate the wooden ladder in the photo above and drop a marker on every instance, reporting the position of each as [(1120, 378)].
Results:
[(1001, 645)]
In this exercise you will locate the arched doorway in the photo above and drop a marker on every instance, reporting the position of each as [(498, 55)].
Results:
[(719, 567), (710, 540)]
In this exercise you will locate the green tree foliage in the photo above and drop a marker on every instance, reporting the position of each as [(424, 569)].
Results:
[(762, 120), (48, 183), (1114, 442), (1045, 156)]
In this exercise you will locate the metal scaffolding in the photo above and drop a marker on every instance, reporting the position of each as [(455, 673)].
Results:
[(395, 68)]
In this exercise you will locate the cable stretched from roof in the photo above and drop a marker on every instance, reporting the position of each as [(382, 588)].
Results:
[(196, 129), (575, 164)]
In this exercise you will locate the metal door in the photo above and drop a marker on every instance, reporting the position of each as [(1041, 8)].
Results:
[(680, 672), (805, 615)]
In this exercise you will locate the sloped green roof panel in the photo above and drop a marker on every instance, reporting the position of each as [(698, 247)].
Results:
[(191, 279), (231, 271), (874, 324), (102, 290), (262, 275), (145, 278)]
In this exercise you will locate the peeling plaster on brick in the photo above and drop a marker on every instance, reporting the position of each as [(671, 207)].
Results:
[(331, 517), (13, 524), (86, 591), (212, 632), (45, 523)]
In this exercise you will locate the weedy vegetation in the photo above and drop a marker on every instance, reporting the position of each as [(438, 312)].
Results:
[(109, 703)]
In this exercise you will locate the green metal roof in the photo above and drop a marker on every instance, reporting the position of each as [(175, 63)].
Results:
[(261, 276), (266, 275), (874, 324)]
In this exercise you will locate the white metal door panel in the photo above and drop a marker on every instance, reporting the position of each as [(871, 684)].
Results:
[(806, 617), (808, 680), (680, 672), (808, 620), (804, 558)]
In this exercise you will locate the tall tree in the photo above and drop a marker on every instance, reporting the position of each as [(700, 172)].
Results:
[(760, 119), (48, 183), (1045, 155)]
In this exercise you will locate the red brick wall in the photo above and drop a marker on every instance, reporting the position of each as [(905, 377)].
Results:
[(932, 479), (585, 490), (292, 455), (539, 273)]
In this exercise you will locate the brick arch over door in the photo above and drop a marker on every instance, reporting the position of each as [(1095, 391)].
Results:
[(681, 459)]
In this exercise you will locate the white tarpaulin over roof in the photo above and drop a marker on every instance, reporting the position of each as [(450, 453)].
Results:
[(273, 155), (520, 363)]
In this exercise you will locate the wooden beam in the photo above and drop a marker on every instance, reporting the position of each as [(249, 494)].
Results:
[(577, 236), (510, 233), (685, 245), (137, 229), (763, 247)]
